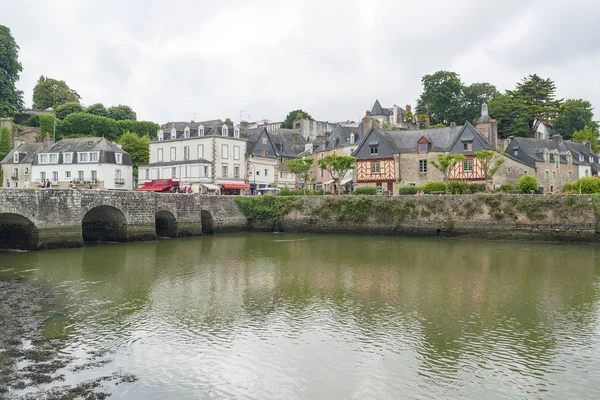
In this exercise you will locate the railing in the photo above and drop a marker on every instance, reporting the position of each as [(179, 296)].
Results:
[(119, 181), (15, 177)]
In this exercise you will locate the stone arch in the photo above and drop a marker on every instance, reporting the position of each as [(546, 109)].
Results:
[(17, 232), (207, 222), (104, 224), (166, 224)]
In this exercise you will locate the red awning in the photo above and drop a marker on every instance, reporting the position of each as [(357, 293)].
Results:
[(234, 186), (151, 188)]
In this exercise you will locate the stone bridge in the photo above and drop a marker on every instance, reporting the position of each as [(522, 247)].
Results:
[(38, 219)]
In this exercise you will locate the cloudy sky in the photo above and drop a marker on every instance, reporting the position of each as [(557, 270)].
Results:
[(173, 60)]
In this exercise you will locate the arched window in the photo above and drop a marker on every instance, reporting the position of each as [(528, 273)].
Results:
[(225, 130), (201, 130), (352, 138)]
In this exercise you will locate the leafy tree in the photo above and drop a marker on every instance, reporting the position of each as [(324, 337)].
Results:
[(137, 147), (82, 124), (142, 128), (337, 166), (588, 134), (301, 167), (11, 99), (538, 96), (446, 162), (47, 125), (4, 143), (68, 108), (442, 97), (511, 115), (97, 109), (527, 184), (293, 116), (50, 92), (490, 162), (121, 113), (474, 96), (573, 115), (388, 126)]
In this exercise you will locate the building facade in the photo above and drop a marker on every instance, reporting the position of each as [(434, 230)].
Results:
[(261, 159), (17, 165), (394, 115)]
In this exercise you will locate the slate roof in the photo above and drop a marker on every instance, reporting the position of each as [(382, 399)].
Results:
[(406, 141), (532, 150), (27, 152), (341, 135), (288, 142), (211, 128), (181, 162), (378, 110), (106, 148), (253, 135)]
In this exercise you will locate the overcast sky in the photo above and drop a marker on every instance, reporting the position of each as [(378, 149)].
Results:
[(171, 60)]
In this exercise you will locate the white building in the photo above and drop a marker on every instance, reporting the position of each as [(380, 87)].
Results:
[(81, 162), (16, 166)]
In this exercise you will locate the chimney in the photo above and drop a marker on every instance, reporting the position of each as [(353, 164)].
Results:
[(192, 122), (557, 139), (376, 124), (367, 123), (484, 110), (408, 108), (452, 124), (395, 114), (227, 121), (588, 144), (48, 141), (295, 138)]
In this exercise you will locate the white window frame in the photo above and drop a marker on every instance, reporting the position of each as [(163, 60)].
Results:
[(80, 176), (186, 132), (201, 130), (236, 132), (53, 158), (224, 151), (43, 158), (159, 155), (173, 154), (200, 151), (26, 171), (352, 138), (94, 176), (160, 136), (16, 157), (224, 130), (236, 171), (54, 176), (67, 158), (186, 152), (119, 158), (173, 133), (468, 162), (236, 152), (224, 170), (67, 174)]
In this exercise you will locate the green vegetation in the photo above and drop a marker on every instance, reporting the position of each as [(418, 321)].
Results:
[(506, 187), (46, 123), (293, 116), (50, 92), (527, 184), (434, 187), (4, 142), (574, 115), (300, 192), (121, 113), (97, 109), (586, 185), (11, 99), (266, 207), (137, 147), (82, 124), (490, 162), (337, 166), (142, 128), (407, 190), (300, 167), (458, 187), (446, 162), (68, 108), (366, 190), (587, 134)]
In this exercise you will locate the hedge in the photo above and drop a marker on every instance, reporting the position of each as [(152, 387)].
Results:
[(527, 184), (434, 187), (83, 124), (407, 190), (587, 185), (366, 190), (140, 127)]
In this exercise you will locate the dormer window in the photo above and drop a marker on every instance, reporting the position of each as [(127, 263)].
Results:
[(160, 135), (186, 132), (516, 151), (373, 149), (119, 158), (581, 158), (173, 134), (569, 158), (16, 157), (225, 130), (352, 138), (468, 146), (546, 156), (423, 148), (236, 132), (591, 159), (201, 130)]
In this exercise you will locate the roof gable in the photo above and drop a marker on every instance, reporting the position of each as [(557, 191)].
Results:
[(385, 148)]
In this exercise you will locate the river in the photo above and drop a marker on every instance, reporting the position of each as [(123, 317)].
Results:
[(274, 316)]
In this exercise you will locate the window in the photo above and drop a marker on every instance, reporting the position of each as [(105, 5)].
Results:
[(547, 175), (160, 135), (173, 154), (569, 158), (224, 171), (373, 149), (26, 170), (556, 160), (524, 172), (201, 130), (553, 174), (118, 175), (570, 175), (379, 188), (236, 171), (173, 134), (94, 176), (581, 158), (186, 132), (468, 166), (147, 173), (352, 138), (186, 152), (422, 166), (200, 151), (159, 155), (119, 158), (205, 169), (67, 174), (257, 173), (67, 158), (422, 148), (264, 153), (236, 132), (516, 152), (264, 140), (266, 172), (236, 152), (375, 167), (173, 172), (591, 159), (55, 176), (80, 176), (16, 157), (586, 172), (53, 158), (225, 130), (322, 172), (546, 156), (87, 157), (224, 151), (15, 173), (43, 158), (468, 146), (42, 176)]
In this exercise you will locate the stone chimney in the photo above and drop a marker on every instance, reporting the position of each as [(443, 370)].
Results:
[(408, 108), (484, 110), (588, 144), (557, 139), (295, 138), (48, 142), (376, 124), (367, 123), (395, 114)]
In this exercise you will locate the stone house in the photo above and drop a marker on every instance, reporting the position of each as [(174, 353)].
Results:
[(311, 129), (393, 115), (17, 164)]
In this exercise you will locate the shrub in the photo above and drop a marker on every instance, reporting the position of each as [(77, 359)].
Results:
[(505, 187), (407, 190), (33, 120), (568, 188), (285, 192), (82, 124), (68, 108), (366, 190), (587, 185), (477, 187), (420, 188), (458, 187), (434, 187), (527, 184), (47, 125), (140, 127)]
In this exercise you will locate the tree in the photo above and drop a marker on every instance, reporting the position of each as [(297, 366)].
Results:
[(527, 184), (442, 97), (587, 134), (474, 96), (511, 115), (11, 99), (137, 147), (574, 115), (388, 126), (82, 124), (97, 109), (538, 96), (48, 123), (300, 168), (68, 108), (50, 92), (142, 128), (294, 116), (446, 162), (4, 143), (337, 166), (490, 162), (121, 113)]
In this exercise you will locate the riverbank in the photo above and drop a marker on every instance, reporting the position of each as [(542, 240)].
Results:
[(32, 363)]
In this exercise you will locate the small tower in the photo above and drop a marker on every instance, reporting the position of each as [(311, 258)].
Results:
[(488, 128)]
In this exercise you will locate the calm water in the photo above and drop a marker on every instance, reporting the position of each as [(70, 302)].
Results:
[(267, 316)]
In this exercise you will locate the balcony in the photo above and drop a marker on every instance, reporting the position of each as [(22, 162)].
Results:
[(15, 177), (119, 181)]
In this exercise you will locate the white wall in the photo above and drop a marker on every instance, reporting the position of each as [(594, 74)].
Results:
[(105, 173), (257, 168)]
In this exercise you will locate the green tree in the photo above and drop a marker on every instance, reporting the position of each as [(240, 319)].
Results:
[(337, 166), (140, 127), (527, 184), (293, 116), (68, 108), (442, 97), (4, 143), (490, 162), (388, 126), (574, 115), (474, 96), (137, 147), (446, 162), (48, 122), (50, 92), (587, 134), (83, 124), (538, 96), (301, 167), (511, 115), (120, 113), (97, 109), (11, 99)]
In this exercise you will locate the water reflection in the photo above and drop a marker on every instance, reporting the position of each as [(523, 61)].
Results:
[(275, 316)]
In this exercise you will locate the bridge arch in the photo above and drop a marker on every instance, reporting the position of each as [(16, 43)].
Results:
[(17, 232), (166, 224), (207, 222), (104, 224)]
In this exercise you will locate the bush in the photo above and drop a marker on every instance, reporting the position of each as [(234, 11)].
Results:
[(458, 187), (505, 187), (434, 187), (140, 127), (68, 108), (33, 120), (285, 192), (47, 125), (588, 185), (568, 188), (420, 188), (407, 190), (366, 190), (477, 187), (82, 124), (527, 184)]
